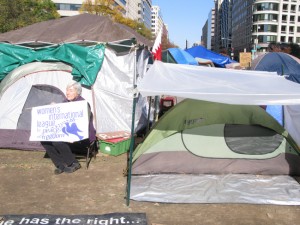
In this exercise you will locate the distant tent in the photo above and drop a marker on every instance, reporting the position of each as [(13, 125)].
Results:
[(288, 66), (279, 62), (179, 56), (203, 53)]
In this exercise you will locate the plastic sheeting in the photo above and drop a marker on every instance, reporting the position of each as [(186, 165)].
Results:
[(219, 85), (218, 59), (231, 188), (182, 57), (113, 92)]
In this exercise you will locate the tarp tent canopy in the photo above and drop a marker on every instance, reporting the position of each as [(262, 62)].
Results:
[(177, 55), (82, 29), (201, 52), (108, 77), (199, 155)]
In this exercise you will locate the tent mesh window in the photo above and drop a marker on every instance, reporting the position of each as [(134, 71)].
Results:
[(251, 139), (38, 95)]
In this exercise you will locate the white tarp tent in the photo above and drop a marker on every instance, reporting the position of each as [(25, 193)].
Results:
[(230, 87)]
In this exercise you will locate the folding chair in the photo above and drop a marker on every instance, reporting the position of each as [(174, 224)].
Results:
[(92, 151)]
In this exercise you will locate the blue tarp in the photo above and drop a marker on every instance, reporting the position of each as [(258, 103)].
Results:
[(182, 57), (201, 52)]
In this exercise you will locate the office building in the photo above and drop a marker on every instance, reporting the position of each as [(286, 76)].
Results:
[(208, 31), (71, 7), (275, 21), (156, 20), (242, 11), (139, 10), (251, 25), (223, 24)]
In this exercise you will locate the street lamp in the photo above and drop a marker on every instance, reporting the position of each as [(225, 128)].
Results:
[(256, 41)]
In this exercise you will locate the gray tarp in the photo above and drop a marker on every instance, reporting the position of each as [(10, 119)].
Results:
[(206, 188)]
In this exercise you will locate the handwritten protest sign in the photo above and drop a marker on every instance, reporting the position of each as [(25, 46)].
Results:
[(245, 59), (66, 122)]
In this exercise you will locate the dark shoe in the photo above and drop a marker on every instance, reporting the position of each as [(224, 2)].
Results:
[(58, 171), (72, 168), (76, 165)]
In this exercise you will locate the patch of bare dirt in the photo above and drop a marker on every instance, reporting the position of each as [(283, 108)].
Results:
[(29, 186)]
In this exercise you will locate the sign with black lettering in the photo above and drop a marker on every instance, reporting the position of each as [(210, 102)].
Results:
[(60, 122)]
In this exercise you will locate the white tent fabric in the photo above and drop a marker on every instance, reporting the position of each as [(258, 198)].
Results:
[(229, 86), (291, 124), (113, 92)]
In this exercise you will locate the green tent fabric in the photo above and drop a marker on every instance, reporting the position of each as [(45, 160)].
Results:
[(202, 113), (85, 61), (167, 57)]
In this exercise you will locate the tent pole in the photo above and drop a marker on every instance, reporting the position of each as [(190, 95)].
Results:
[(132, 134), (149, 111), (156, 104), (282, 106)]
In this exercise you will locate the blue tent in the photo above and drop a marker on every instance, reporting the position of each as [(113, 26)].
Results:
[(283, 64), (179, 56), (201, 52)]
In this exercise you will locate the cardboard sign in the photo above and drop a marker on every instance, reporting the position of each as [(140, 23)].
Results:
[(66, 122), (245, 59)]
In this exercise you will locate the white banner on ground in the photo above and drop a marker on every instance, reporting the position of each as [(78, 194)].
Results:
[(66, 122)]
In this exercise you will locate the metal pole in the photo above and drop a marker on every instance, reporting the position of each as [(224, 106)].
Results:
[(132, 135), (149, 111), (130, 153)]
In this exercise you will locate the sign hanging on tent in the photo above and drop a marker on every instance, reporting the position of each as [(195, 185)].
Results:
[(66, 122)]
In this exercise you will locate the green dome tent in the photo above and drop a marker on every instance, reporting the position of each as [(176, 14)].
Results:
[(214, 142)]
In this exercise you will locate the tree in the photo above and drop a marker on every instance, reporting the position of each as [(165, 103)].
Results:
[(100, 7), (290, 48), (19, 13), (108, 8), (165, 42)]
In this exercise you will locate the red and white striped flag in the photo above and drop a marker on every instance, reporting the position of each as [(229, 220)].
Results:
[(156, 50)]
